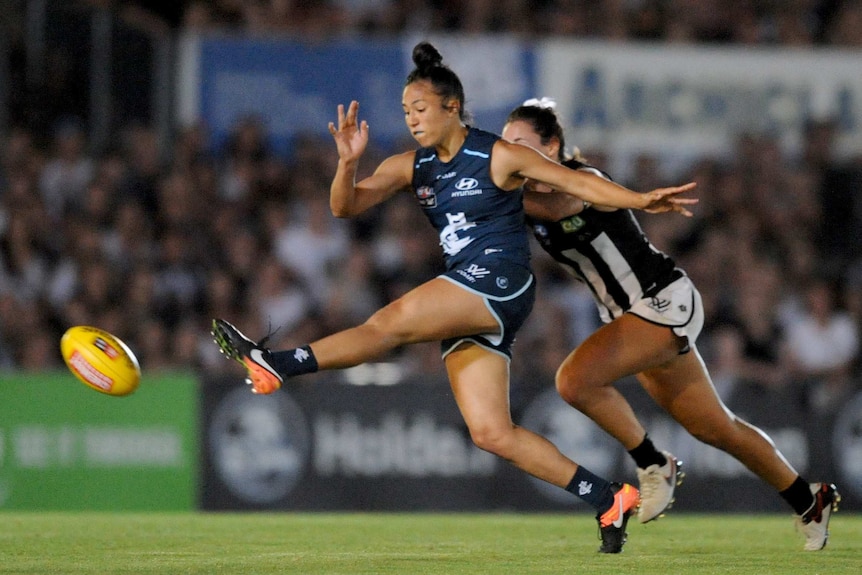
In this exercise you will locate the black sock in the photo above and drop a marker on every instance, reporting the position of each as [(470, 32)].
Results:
[(646, 454), (294, 361), (592, 489), (799, 496)]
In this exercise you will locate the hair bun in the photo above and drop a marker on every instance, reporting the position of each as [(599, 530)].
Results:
[(426, 56)]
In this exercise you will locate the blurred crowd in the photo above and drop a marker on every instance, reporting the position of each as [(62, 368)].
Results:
[(784, 22), (152, 246)]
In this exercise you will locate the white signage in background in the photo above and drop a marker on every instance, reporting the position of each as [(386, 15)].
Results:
[(414, 445), (259, 445), (39, 446), (680, 103)]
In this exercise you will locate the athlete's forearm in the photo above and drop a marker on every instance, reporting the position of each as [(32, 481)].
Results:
[(342, 191), (596, 190)]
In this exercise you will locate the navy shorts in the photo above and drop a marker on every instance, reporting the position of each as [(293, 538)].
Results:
[(509, 291)]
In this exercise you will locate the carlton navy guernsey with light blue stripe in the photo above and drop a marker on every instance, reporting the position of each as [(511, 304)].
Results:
[(482, 233), (474, 217)]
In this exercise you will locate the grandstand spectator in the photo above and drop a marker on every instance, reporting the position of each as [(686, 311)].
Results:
[(68, 170), (822, 345)]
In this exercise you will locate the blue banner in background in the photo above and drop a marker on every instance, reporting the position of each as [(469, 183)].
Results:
[(498, 73), (294, 88)]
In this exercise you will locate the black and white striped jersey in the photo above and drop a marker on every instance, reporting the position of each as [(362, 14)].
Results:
[(609, 252)]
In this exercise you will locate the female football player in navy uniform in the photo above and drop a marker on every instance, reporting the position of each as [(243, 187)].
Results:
[(468, 182), (652, 315)]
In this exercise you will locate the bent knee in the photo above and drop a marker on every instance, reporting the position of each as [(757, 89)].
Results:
[(573, 384), (493, 439), (389, 323)]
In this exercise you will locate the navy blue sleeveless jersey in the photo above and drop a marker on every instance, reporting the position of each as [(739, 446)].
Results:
[(482, 232), (473, 216), (609, 252)]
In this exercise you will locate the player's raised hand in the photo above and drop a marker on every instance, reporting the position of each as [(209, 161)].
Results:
[(667, 200), (351, 136)]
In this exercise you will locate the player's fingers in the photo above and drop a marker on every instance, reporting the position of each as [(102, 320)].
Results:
[(679, 189), (340, 116), (352, 112)]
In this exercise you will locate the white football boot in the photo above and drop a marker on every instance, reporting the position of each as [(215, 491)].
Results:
[(657, 484), (814, 523)]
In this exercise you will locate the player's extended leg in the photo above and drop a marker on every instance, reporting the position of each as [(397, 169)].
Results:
[(435, 310), (586, 381), (586, 378), (683, 388), (480, 383)]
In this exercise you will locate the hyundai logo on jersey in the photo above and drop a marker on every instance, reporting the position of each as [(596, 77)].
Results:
[(465, 184)]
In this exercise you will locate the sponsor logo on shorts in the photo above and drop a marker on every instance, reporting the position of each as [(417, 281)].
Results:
[(502, 282), (659, 304), (473, 272)]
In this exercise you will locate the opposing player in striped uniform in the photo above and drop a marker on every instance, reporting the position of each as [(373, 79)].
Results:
[(652, 315)]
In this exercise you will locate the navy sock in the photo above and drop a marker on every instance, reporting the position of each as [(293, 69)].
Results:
[(799, 496), (295, 361), (592, 489), (646, 454)]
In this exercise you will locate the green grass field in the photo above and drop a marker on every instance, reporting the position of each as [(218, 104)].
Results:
[(34, 543)]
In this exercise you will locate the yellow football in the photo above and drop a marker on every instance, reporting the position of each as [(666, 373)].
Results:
[(100, 360)]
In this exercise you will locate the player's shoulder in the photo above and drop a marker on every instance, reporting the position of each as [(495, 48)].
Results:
[(402, 159), (506, 148)]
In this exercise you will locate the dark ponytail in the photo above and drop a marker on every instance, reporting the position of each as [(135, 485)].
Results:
[(544, 122), (446, 84)]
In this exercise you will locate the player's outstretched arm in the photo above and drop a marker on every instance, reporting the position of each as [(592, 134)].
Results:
[(347, 197), (513, 162), (668, 200)]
